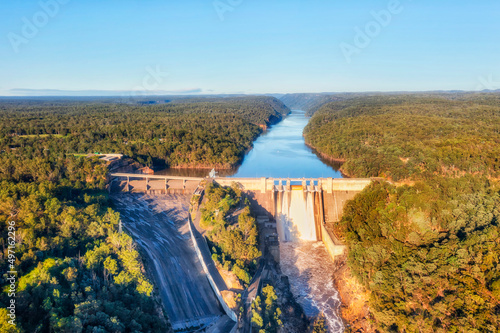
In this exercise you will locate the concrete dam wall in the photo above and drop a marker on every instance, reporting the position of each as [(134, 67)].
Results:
[(304, 209)]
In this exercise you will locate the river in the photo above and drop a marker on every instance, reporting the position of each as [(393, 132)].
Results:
[(280, 152)]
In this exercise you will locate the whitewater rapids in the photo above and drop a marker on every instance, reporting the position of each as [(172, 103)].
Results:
[(309, 269)]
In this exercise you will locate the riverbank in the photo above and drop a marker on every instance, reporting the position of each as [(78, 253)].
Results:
[(325, 156), (354, 298), (330, 160), (226, 169)]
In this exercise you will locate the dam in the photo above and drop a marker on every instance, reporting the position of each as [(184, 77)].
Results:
[(301, 239), (304, 209), (297, 197)]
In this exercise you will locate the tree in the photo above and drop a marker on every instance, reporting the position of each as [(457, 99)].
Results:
[(319, 325), (5, 325)]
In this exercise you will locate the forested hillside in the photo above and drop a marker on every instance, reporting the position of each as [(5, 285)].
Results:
[(429, 253), (308, 102), (76, 272), (187, 134), (234, 242), (410, 136), (260, 110)]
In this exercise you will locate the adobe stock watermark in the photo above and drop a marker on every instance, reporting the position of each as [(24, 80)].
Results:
[(150, 83), (11, 273), (224, 6), (487, 83), (31, 26), (364, 36)]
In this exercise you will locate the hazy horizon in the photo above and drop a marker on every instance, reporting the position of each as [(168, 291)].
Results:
[(141, 94)]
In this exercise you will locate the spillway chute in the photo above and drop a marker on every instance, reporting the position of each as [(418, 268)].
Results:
[(295, 214)]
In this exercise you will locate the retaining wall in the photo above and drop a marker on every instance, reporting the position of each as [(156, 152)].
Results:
[(333, 249), (209, 267)]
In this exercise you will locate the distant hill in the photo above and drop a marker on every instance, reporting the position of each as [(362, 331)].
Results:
[(312, 102), (260, 110), (308, 102)]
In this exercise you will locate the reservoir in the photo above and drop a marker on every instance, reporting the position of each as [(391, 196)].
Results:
[(280, 152)]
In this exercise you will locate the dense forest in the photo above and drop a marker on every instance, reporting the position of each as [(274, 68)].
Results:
[(232, 230), (427, 249), (76, 270), (429, 254), (190, 133), (410, 136)]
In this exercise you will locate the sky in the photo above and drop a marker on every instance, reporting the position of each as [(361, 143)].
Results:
[(76, 47)]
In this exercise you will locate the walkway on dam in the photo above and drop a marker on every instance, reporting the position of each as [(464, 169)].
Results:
[(159, 226), (146, 182)]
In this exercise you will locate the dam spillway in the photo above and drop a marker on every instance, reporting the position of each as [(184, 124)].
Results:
[(303, 256), (295, 215), (307, 248)]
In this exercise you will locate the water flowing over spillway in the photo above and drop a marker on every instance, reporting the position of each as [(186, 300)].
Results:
[(309, 269), (295, 215), (303, 258)]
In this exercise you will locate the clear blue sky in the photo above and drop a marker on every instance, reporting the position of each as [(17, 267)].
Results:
[(258, 47)]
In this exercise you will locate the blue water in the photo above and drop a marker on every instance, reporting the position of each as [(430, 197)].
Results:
[(280, 152)]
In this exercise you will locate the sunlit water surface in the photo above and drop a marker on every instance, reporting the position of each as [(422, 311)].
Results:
[(280, 152)]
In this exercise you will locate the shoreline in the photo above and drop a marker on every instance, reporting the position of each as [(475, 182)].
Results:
[(203, 167), (235, 166), (325, 157), (354, 309)]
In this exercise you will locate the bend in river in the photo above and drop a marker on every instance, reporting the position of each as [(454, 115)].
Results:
[(280, 152)]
